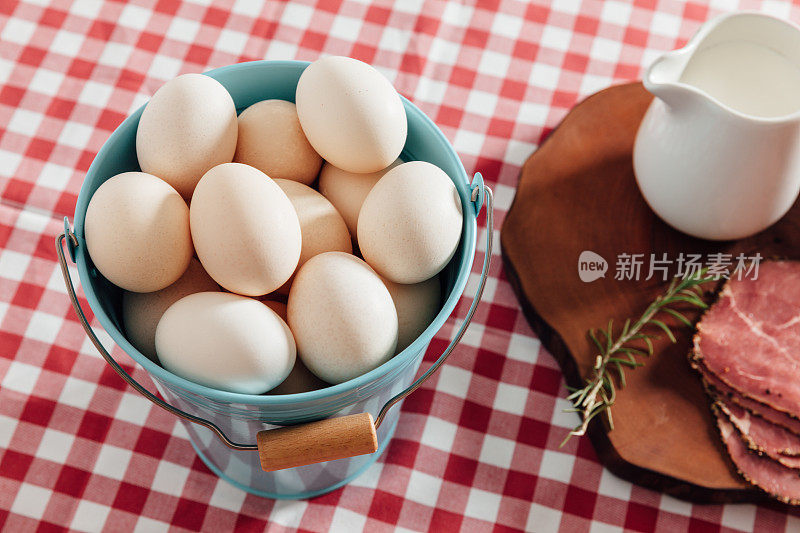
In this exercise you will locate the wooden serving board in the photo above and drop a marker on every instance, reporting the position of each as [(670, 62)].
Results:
[(578, 192)]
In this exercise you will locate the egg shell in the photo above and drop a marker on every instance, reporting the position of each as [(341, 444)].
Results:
[(141, 311), (271, 140), (321, 226), (300, 379), (351, 114), (225, 341), (137, 232), (416, 305), (410, 223), (187, 127), (347, 190), (342, 317), (245, 230)]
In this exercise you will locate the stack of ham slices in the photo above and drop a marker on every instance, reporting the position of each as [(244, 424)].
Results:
[(747, 349)]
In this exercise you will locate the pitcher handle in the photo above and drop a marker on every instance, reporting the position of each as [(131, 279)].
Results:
[(313, 442)]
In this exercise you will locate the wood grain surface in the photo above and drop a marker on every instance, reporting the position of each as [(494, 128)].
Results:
[(578, 192)]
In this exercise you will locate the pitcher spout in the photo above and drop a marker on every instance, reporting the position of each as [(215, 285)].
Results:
[(743, 65), (662, 78)]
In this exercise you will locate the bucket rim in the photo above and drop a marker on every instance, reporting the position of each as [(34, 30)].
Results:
[(401, 360)]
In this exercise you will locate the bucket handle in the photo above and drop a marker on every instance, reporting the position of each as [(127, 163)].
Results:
[(313, 442)]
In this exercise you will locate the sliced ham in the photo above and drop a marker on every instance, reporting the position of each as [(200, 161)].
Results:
[(779, 481), (750, 338), (762, 436), (732, 396), (747, 350)]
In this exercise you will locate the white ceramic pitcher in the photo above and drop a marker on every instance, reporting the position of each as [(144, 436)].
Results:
[(717, 155)]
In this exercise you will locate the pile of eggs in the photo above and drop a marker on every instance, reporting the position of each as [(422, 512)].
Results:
[(237, 273)]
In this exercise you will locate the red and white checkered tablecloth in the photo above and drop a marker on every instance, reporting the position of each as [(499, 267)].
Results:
[(477, 447)]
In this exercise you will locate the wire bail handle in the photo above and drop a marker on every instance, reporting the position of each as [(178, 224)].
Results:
[(324, 440)]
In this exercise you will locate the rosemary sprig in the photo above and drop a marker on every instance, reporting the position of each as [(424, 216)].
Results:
[(614, 355)]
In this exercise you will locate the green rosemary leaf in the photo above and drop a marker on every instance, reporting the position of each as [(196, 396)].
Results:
[(664, 328), (678, 315), (692, 300), (621, 374), (649, 341), (574, 394), (634, 351), (593, 336), (690, 292), (630, 363), (597, 410), (610, 419)]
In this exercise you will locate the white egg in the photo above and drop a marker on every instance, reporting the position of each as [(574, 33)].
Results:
[(141, 311), (187, 127), (245, 230), (137, 232), (351, 114), (226, 342), (300, 379), (342, 317), (347, 190), (410, 223), (321, 226), (271, 139), (417, 305)]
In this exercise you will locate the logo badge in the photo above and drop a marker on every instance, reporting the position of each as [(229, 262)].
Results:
[(591, 266)]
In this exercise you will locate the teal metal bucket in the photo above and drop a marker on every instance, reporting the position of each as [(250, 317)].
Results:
[(218, 421)]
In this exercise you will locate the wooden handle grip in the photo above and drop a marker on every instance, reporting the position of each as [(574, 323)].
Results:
[(315, 442)]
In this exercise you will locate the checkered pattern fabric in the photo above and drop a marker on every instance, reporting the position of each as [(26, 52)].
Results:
[(477, 447)]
